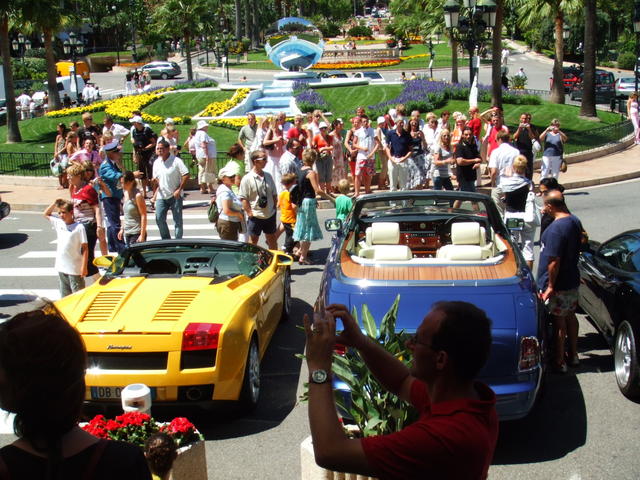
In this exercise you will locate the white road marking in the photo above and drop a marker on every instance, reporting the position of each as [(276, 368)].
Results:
[(6, 422), (17, 295), (28, 272), (29, 229), (49, 254)]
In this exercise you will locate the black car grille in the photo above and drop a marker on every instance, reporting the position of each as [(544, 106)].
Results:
[(128, 361), (198, 359)]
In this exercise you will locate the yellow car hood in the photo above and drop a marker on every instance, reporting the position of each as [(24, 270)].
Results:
[(147, 306)]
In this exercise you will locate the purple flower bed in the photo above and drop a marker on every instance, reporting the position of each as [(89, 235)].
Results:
[(425, 96), (310, 100)]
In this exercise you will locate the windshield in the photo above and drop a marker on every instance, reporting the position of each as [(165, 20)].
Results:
[(191, 260), (411, 206)]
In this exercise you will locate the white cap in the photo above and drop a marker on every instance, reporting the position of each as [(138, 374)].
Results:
[(136, 119), (323, 125), (229, 170), (381, 119), (111, 146), (201, 124), (169, 121)]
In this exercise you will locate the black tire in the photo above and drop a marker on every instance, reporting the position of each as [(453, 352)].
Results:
[(286, 300), (164, 76), (625, 360), (250, 393)]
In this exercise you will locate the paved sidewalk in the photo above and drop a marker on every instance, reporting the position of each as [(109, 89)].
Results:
[(611, 168)]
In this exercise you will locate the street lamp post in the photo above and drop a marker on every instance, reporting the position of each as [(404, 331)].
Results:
[(636, 28), (71, 47), (470, 25), (21, 45)]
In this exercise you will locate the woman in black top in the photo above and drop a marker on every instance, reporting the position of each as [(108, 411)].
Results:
[(42, 368)]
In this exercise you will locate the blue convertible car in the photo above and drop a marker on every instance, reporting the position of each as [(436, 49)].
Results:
[(429, 246)]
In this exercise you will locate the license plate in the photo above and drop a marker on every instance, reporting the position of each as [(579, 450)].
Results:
[(106, 393), (112, 393)]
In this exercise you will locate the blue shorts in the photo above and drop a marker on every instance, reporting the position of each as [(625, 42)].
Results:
[(466, 185), (257, 226)]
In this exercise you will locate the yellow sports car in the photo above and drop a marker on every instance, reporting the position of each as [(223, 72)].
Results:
[(191, 319)]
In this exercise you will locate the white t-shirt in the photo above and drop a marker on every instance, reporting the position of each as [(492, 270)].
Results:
[(203, 137), (119, 132), (366, 138), (24, 100), (69, 258), (502, 159), (169, 174), (431, 137)]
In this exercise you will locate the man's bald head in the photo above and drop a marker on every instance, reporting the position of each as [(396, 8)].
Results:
[(554, 199)]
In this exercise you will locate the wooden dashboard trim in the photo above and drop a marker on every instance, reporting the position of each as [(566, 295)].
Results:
[(505, 269)]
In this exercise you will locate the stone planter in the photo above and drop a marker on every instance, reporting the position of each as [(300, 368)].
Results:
[(311, 471), (191, 463)]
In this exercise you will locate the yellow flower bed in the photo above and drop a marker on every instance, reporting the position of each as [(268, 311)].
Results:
[(352, 65), (419, 55), (216, 109), (122, 108)]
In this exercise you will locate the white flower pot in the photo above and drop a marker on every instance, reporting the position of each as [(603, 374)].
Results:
[(191, 463), (311, 471)]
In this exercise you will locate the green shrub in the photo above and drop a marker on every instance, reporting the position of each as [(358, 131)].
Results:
[(329, 29), (360, 31), (626, 61), (35, 53)]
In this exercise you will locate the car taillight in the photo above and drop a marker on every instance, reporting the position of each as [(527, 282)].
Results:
[(340, 349), (529, 353), (201, 336)]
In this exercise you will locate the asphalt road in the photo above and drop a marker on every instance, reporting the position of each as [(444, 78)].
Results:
[(582, 428)]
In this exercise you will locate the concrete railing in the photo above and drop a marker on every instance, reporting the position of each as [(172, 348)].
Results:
[(339, 56)]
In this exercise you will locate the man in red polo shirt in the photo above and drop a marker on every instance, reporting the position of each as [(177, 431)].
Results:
[(457, 431)]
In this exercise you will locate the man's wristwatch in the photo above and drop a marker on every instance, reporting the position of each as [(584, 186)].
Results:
[(319, 376)]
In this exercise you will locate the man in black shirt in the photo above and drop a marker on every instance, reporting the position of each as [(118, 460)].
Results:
[(468, 160), (523, 140), (398, 150), (89, 130), (144, 144)]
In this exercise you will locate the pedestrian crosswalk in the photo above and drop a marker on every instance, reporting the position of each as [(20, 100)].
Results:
[(37, 266)]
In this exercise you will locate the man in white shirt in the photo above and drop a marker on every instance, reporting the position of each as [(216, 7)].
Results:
[(72, 253), (23, 102), (169, 178), (86, 94), (119, 132), (500, 166), (206, 155), (366, 143), (290, 160)]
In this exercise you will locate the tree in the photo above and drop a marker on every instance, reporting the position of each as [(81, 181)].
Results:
[(496, 59), (531, 13), (13, 131), (588, 105)]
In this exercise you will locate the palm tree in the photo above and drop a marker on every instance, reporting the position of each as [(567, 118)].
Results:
[(13, 131), (496, 59), (238, 18), (588, 105), (531, 12)]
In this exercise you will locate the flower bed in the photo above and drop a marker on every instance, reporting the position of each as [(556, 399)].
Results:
[(136, 427), (419, 55), (352, 65), (122, 108), (216, 109), (425, 96)]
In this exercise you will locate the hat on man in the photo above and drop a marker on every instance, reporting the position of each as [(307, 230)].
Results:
[(136, 119), (202, 124), (112, 146), (323, 125), (169, 121), (381, 120)]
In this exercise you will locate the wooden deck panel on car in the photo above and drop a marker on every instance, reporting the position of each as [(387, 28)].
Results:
[(505, 269)]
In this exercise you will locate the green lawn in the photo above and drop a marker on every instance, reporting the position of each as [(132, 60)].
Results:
[(187, 103), (39, 134)]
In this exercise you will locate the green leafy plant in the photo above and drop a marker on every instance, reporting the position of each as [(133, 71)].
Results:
[(372, 408), (626, 60)]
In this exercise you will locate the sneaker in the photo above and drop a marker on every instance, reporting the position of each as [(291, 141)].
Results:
[(574, 361)]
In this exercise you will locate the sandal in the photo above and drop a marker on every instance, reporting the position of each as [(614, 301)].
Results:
[(305, 262)]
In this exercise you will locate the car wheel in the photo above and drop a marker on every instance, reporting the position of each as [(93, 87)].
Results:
[(250, 392), (286, 300), (625, 360), (164, 76)]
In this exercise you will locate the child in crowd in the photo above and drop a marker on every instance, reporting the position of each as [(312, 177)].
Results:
[(343, 201), (72, 253), (288, 212), (160, 452)]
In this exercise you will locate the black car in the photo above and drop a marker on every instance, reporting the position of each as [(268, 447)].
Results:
[(605, 87), (610, 294)]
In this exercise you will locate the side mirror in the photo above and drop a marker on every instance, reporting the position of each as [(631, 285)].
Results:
[(515, 224), (105, 261), (284, 260), (333, 225)]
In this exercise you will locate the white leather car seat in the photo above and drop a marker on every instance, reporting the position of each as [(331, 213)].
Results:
[(468, 242), (381, 243)]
